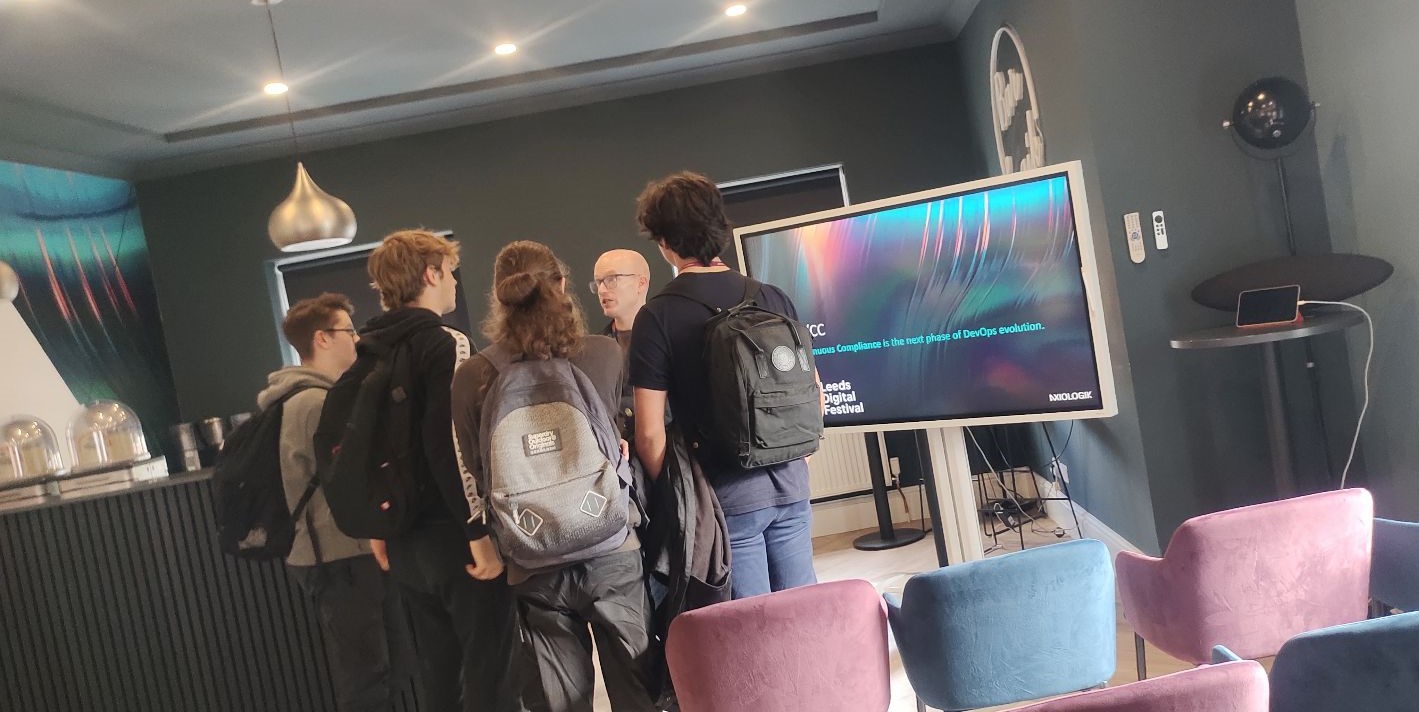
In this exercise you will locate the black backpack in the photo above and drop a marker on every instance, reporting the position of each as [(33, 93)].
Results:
[(253, 519), (764, 400), (364, 444)]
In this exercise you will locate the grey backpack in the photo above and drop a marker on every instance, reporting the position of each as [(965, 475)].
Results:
[(554, 482)]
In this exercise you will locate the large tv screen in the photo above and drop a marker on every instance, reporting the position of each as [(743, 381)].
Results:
[(974, 304)]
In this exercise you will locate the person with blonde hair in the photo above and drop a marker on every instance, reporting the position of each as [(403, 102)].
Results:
[(464, 622), (592, 587)]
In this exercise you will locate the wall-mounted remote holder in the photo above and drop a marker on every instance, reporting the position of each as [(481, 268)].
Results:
[(1134, 231), (1160, 231)]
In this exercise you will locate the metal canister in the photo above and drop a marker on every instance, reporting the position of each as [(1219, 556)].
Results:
[(214, 432), (186, 454)]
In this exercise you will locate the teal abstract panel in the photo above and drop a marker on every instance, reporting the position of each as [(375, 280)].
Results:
[(86, 289)]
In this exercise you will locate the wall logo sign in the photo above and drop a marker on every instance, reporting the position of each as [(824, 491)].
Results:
[(1015, 112)]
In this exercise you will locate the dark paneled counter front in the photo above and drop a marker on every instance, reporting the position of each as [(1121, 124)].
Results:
[(122, 601)]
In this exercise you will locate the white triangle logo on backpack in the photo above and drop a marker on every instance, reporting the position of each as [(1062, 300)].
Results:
[(529, 522), (593, 504)]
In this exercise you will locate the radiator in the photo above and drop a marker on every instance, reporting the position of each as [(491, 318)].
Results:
[(839, 467)]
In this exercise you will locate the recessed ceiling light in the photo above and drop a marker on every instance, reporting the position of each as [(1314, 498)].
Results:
[(505, 48), (735, 10), (276, 88), (264, 3)]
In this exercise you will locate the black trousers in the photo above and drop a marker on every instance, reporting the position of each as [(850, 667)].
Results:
[(465, 630), (606, 595), (349, 598), (465, 637)]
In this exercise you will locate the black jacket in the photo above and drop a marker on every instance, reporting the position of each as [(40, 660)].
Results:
[(687, 541), (437, 547)]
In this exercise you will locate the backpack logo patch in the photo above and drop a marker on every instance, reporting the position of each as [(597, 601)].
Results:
[(541, 443), (783, 358), (529, 522), (593, 504)]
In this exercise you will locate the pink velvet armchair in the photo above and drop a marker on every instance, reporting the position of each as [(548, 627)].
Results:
[(1252, 577), (1229, 687), (819, 648)]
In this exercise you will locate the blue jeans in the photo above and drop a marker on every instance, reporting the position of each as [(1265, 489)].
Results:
[(772, 549)]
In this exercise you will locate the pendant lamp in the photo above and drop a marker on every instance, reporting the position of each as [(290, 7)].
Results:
[(309, 218)]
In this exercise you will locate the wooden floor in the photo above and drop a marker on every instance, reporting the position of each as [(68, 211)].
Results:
[(835, 559)]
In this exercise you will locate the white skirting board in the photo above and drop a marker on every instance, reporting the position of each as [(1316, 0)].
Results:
[(1093, 528), (857, 513)]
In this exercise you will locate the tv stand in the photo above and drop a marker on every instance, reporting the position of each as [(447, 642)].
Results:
[(887, 536)]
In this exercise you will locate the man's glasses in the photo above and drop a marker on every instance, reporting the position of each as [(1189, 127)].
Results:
[(347, 330), (609, 281)]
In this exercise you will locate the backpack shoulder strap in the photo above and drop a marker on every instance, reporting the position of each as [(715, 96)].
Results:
[(281, 402), (310, 487), (673, 290), (401, 390), (305, 498), (753, 288), (309, 520), (498, 355), (373, 345), (314, 481)]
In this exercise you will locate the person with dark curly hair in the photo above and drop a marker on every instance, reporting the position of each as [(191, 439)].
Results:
[(766, 508)]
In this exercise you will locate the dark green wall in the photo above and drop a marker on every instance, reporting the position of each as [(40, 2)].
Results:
[(568, 178), (1137, 90), (1361, 68), (1105, 457)]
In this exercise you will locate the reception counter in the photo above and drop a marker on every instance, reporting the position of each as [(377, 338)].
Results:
[(120, 600)]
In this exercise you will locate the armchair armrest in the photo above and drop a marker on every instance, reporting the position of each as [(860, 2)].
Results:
[(1220, 654)]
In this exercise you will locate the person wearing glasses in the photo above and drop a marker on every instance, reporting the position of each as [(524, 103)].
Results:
[(621, 281), (337, 573)]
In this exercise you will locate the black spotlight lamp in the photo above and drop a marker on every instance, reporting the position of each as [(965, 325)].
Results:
[(1267, 119), (1271, 114)]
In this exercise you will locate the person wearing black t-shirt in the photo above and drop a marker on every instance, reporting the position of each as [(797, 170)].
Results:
[(766, 508)]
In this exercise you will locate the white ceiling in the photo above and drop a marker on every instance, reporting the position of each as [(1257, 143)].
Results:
[(151, 87)]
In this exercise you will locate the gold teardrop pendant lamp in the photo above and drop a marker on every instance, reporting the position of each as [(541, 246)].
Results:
[(309, 218)]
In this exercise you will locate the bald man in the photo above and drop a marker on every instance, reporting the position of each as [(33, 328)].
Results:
[(621, 282)]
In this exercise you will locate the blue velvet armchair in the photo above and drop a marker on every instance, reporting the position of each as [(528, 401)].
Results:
[(1394, 565), (1017, 627), (1371, 665)]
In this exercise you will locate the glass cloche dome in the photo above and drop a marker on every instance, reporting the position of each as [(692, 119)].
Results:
[(28, 448), (106, 433)]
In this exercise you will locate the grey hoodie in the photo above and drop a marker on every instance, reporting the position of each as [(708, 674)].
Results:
[(299, 417)]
